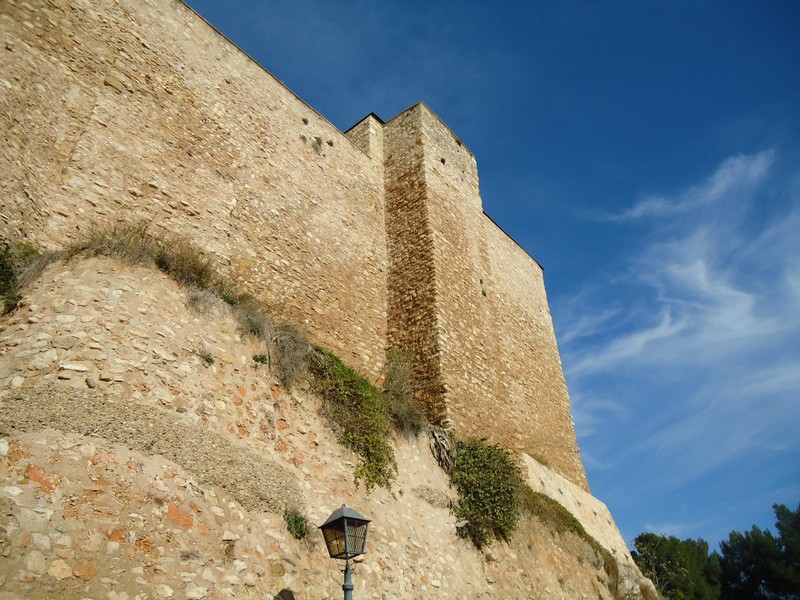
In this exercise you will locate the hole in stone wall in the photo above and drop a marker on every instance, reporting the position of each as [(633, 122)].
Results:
[(442, 159)]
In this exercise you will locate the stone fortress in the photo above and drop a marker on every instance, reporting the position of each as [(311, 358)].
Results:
[(122, 111)]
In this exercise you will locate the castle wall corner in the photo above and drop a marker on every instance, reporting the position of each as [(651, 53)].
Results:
[(498, 374)]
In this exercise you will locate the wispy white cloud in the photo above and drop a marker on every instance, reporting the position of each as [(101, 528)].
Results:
[(699, 345), (717, 285), (736, 175), (591, 463), (589, 413), (583, 325), (626, 347)]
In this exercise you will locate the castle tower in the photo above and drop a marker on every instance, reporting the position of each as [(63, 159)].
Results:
[(466, 299)]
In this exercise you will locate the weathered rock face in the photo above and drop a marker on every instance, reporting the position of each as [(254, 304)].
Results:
[(131, 110), (130, 467)]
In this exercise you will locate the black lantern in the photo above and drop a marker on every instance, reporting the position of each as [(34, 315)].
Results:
[(345, 534)]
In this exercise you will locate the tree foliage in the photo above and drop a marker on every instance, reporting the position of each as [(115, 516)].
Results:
[(680, 569), (751, 565), (757, 565)]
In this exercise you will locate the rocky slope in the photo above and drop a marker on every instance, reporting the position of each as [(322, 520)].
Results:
[(144, 454)]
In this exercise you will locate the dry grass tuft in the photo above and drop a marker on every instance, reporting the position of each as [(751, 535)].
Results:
[(129, 243), (206, 302), (253, 319), (185, 263), (291, 351), (398, 389), (182, 261), (20, 263)]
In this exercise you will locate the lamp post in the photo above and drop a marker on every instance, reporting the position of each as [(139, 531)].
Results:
[(345, 534)]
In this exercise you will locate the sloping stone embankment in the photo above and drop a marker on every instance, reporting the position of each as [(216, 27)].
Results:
[(132, 469)]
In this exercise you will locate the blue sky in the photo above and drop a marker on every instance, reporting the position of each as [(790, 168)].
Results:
[(647, 154)]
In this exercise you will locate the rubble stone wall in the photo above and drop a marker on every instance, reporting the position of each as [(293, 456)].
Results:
[(143, 453)]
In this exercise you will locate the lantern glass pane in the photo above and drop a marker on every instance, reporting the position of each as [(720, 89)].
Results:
[(356, 537), (335, 540)]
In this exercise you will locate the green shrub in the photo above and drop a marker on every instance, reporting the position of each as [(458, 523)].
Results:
[(205, 356), (261, 359), (296, 523), (488, 483), (358, 413), (229, 298), (398, 389)]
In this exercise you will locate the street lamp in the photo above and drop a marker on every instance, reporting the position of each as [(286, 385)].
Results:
[(345, 534)]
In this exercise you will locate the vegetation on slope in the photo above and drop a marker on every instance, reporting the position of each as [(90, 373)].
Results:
[(20, 263), (493, 496), (185, 263), (554, 515), (296, 523), (359, 413), (363, 415), (488, 483), (398, 389)]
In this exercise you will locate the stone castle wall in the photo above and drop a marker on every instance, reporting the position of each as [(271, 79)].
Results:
[(526, 363), (134, 110)]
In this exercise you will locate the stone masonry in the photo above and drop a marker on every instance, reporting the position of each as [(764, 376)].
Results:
[(144, 454), (138, 110)]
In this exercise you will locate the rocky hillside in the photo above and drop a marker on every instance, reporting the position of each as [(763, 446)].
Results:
[(144, 454)]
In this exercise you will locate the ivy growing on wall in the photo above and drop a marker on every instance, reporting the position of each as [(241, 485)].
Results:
[(488, 483)]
